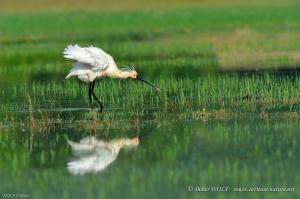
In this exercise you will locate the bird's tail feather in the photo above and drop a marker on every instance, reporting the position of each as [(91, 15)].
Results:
[(73, 51)]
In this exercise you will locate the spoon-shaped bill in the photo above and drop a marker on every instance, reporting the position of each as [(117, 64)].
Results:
[(139, 78)]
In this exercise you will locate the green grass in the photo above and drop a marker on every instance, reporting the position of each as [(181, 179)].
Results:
[(218, 96), (10, 6), (175, 42), (123, 25)]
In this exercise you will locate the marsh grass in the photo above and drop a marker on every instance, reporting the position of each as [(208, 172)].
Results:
[(223, 96)]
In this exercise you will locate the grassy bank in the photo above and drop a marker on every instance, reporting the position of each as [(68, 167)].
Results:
[(175, 42)]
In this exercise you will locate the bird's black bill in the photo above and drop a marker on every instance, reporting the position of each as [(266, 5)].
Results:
[(138, 78)]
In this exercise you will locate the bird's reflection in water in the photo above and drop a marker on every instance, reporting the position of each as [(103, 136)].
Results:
[(93, 155)]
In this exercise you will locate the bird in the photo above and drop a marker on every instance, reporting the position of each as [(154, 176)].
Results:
[(92, 63), (94, 155)]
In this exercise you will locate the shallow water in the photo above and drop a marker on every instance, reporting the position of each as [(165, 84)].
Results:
[(151, 159), (144, 150)]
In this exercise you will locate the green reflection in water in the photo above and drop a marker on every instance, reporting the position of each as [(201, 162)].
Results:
[(164, 163)]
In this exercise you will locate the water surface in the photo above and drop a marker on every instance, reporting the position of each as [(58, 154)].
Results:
[(151, 159)]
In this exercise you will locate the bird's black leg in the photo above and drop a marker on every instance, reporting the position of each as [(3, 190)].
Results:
[(92, 92), (93, 85)]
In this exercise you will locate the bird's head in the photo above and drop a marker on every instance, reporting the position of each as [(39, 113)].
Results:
[(133, 74), (129, 72)]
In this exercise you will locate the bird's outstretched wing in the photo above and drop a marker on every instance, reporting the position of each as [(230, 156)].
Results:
[(94, 57)]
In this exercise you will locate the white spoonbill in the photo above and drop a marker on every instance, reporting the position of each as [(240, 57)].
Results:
[(93, 63)]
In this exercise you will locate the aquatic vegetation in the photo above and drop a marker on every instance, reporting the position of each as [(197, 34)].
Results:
[(218, 94)]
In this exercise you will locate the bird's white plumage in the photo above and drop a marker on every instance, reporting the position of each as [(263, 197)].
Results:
[(92, 62), (93, 57), (83, 72)]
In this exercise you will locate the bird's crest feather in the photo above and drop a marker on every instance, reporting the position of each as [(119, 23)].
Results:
[(127, 68)]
